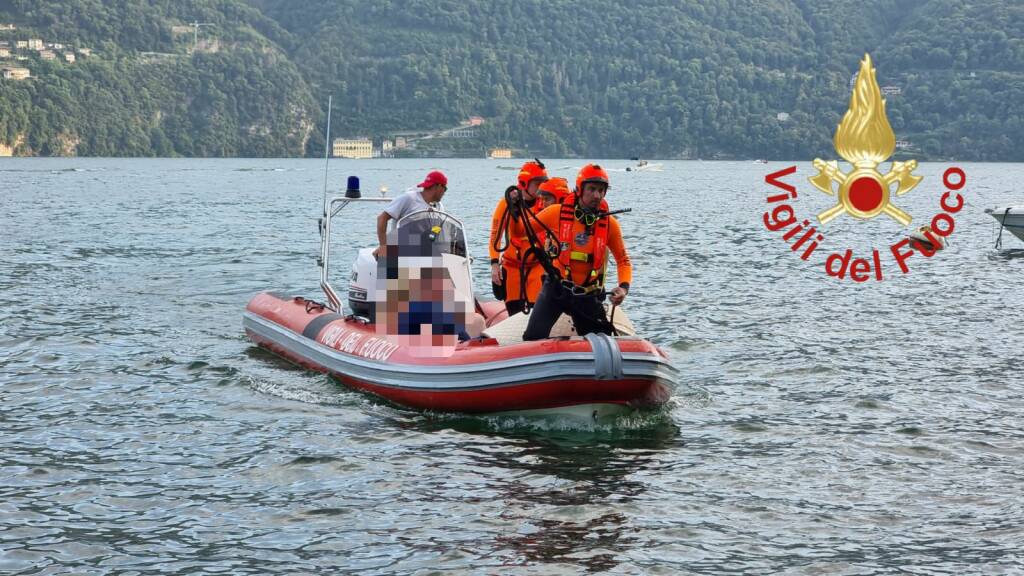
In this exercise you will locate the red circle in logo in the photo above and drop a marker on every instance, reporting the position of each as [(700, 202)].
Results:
[(865, 194)]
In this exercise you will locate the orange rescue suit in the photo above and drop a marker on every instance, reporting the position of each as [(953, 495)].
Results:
[(582, 242), (512, 258)]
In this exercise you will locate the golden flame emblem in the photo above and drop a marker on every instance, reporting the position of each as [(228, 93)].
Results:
[(865, 139)]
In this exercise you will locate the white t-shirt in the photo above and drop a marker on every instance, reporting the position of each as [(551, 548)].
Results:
[(411, 201)]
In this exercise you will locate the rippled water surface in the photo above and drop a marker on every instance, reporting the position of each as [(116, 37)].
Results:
[(823, 426)]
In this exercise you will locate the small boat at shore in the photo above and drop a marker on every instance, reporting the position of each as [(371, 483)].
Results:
[(487, 369)]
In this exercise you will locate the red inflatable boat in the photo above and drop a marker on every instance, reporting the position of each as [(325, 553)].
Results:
[(594, 376)]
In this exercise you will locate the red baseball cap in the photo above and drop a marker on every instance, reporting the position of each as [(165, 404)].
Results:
[(435, 177)]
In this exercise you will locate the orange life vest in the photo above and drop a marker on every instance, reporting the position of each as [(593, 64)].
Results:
[(567, 241)]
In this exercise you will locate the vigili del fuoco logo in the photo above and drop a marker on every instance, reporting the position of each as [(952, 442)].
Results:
[(865, 140)]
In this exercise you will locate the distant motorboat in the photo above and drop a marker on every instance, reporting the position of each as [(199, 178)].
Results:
[(1009, 217), (760, 161), (644, 165)]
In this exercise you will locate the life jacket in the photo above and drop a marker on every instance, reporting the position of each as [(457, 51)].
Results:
[(567, 241)]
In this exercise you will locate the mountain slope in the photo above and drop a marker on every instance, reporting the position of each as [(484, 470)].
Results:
[(667, 78), (144, 91), (658, 78)]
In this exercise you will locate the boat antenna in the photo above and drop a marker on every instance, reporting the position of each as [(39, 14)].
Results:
[(327, 150)]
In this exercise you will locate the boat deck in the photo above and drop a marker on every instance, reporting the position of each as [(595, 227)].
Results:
[(510, 330)]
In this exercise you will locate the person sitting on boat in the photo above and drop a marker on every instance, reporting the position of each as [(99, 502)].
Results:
[(585, 234), (422, 308), (432, 304), (507, 250), (429, 197)]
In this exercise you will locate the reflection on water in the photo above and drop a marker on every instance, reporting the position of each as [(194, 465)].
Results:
[(1008, 254), (823, 427), (557, 486)]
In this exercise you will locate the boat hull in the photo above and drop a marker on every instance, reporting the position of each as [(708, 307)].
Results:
[(478, 377), (925, 239), (1012, 219)]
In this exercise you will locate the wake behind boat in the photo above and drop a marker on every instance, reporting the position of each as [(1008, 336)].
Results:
[(424, 364)]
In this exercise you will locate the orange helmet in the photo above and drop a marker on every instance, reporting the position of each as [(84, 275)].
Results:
[(591, 173), (531, 171), (557, 187)]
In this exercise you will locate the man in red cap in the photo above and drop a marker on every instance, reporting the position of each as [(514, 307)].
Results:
[(433, 189)]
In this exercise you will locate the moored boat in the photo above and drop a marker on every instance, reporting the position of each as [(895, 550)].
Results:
[(926, 237), (1010, 218)]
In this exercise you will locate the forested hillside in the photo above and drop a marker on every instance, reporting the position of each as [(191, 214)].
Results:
[(144, 91), (655, 78)]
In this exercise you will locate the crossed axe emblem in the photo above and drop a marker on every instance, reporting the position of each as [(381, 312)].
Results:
[(864, 192)]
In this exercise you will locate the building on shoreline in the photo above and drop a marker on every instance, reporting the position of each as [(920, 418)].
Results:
[(352, 148)]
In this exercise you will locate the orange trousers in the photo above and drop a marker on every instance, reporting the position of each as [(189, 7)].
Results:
[(513, 281)]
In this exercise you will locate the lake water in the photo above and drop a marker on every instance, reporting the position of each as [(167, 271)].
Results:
[(823, 426)]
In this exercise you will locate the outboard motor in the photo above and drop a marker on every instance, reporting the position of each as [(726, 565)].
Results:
[(364, 279)]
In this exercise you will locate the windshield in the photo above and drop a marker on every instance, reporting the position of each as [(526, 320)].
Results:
[(430, 233)]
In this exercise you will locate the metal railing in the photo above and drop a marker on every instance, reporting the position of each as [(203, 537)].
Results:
[(331, 209)]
